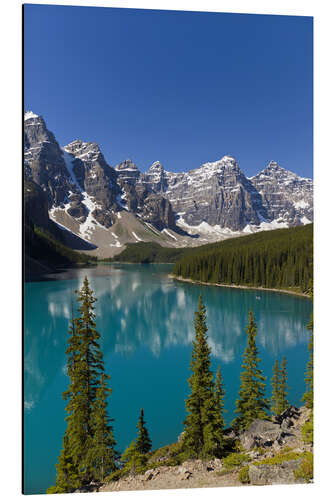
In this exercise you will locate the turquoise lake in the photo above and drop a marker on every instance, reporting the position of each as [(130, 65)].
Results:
[(146, 324)]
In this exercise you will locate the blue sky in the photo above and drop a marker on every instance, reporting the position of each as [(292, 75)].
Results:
[(180, 87)]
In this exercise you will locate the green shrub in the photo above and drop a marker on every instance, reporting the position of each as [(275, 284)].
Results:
[(280, 458), (305, 470), (243, 475), (169, 451), (235, 460), (51, 490), (307, 431), (135, 462), (171, 455)]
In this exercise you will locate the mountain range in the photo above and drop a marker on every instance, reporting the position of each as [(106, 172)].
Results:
[(106, 207)]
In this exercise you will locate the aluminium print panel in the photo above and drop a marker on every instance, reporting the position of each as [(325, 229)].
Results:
[(168, 249)]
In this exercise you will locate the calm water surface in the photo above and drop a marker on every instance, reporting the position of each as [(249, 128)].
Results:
[(146, 324)]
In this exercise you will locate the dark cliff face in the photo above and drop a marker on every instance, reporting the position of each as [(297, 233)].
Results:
[(127, 173), (93, 176), (158, 211), (144, 196), (155, 178), (35, 205), (43, 159)]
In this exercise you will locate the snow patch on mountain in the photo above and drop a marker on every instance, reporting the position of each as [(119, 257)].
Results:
[(152, 228), (265, 226), (121, 200), (169, 234), (69, 165), (206, 229), (136, 237), (301, 204), (88, 226), (305, 220)]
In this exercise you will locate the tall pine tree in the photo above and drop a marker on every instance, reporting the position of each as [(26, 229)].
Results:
[(87, 418), (143, 441), (218, 426), (201, 437), (275, 381), (68, 468), (252, 403), (308, 396), (102, 454), (279, 401), (283, 401)]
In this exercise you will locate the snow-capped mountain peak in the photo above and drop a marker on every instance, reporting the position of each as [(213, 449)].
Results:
[(126, 165), (285, 195), (88, 151), (156, 166), (30, 114)]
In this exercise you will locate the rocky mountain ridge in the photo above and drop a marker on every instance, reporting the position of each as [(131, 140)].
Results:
[(110, 207)]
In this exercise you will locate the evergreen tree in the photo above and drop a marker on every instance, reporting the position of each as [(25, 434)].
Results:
[(279, 401), (129, 452), (252, 403), (143, 442), (67, 479), (219, 394), (88, 450), (218, 421), (132, 459), (200, 433), (91, 357), (280, 259), (283, 401), (275, 389), (71, 456), (308, 396), (102, 455)]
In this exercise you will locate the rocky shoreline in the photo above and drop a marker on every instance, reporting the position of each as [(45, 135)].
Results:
[(194, 282), (269, 452)]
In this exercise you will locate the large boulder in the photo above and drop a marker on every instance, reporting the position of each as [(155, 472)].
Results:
[(288, 418), (261, 433), (275, 474)]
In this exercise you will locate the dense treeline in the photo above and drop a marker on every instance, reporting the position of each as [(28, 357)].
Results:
[(62, 250), (147, 253), (275, 259), (45, 248)]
